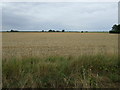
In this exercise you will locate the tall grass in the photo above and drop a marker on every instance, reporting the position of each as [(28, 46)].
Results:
[(85, 71), (56, 60)]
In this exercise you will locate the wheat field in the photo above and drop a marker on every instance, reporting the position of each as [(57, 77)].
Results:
[(60, 60), (45, 44)]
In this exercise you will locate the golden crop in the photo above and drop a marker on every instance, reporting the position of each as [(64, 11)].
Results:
[(46, 44)]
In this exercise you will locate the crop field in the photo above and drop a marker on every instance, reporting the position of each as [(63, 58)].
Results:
[(56, 60)]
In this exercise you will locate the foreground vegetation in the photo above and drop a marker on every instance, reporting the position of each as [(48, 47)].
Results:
[(56, 72), (57, 60)]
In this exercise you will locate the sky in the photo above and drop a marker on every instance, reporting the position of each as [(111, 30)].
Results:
[(75, 16)]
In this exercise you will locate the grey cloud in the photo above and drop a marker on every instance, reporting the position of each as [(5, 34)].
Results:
[(69, 16)]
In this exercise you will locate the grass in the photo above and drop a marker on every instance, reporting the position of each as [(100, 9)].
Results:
[(57, 60), (94, 71)]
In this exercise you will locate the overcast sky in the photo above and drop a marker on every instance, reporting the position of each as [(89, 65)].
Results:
[(58, 15)]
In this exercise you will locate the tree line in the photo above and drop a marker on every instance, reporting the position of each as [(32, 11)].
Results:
[(115, 29), (40, 31), (54, 31)]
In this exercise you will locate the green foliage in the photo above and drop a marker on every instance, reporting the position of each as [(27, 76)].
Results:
[(63, 30), (114, 77), (115, 29), (58, 71)]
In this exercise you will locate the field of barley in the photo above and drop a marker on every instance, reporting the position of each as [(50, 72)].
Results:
[(69, 60)]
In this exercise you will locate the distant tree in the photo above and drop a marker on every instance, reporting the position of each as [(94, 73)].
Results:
[(53, 30), (50, 30), (63, 30), (115, 29), (57, 31), (118, 27), (42, 30), (13, 31)]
